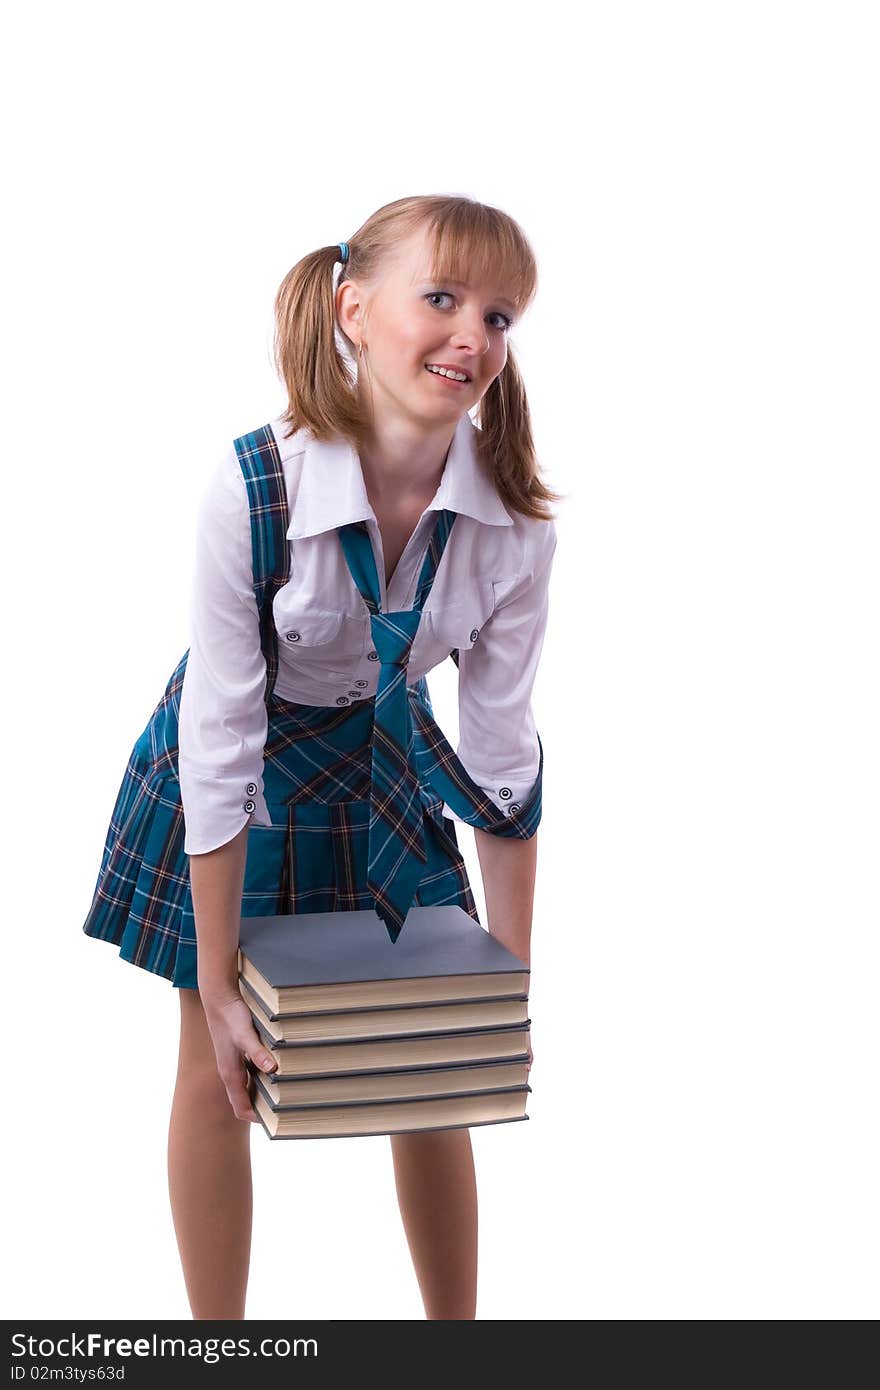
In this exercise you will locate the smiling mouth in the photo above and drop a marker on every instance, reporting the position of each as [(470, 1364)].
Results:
[(453, 380)]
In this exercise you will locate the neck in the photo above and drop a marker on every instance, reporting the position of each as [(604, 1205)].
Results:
[(400, 461)]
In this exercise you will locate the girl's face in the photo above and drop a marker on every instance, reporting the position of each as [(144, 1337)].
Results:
[(410, 320)]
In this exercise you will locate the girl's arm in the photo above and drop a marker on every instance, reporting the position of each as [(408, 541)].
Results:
[(222, 718), (508, 871), (217, 880), (498, 741)]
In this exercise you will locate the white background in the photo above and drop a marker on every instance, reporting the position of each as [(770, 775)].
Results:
[(699, 183)]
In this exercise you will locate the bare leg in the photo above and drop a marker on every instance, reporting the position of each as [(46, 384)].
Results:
[(209, 1175), (437, 1194)]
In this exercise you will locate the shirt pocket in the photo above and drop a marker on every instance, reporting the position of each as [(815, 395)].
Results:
[(327, 640), (458, 625)]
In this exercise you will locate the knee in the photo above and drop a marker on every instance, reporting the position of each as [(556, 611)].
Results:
[(199, 1084), (430, 1142), (201, 1096)]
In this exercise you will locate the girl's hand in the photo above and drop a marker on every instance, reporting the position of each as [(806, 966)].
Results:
[(235, 1037), (531, 1054)]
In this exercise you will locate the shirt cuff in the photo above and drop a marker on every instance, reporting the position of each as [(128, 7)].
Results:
[(508, 794), (215, 809)]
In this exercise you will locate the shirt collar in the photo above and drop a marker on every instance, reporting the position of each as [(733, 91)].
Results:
[(332, 491)]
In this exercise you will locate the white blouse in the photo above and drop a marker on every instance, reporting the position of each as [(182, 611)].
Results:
[(489, 599)]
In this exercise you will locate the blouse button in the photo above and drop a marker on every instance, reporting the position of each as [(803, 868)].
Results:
[(342, 699), (355, 694), (504, 792), (292, 636), (513, 808), (372, 656), (250, 806), (475, 632), (251, 788), (362, 683)]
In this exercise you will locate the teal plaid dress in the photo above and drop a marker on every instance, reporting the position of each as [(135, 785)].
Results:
[(317, 782)]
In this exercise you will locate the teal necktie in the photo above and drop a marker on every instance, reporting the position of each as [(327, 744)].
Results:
[(396, 854), (396, 859)]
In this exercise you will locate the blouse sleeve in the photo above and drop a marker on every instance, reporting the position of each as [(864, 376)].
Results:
[(498, 742), (222, 717)]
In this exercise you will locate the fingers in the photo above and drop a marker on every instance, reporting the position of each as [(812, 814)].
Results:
[(235, 1078), (247, 1039), (258, 1054), (236, 1039)]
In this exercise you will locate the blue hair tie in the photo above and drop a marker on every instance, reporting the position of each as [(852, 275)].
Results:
[(343, 246)]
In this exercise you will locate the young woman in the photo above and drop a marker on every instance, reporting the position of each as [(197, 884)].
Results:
[(293, 764)]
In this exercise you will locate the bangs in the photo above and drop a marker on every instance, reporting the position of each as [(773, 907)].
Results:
[(478, 245)]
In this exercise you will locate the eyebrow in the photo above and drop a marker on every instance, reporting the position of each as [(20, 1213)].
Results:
[(460, 285)]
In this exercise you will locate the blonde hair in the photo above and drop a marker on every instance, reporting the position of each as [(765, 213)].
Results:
[(489, 245)]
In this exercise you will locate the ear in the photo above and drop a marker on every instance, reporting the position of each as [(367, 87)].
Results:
[(349, 310)]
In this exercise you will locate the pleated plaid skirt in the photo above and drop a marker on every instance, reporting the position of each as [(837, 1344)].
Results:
[(313, 858)]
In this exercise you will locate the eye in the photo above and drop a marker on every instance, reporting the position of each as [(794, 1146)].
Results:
[(445, 294)]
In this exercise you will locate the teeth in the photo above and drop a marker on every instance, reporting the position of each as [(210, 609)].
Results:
[(441, 371)]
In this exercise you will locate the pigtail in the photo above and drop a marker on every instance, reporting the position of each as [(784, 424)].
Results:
[(507, 445), (319, 393)]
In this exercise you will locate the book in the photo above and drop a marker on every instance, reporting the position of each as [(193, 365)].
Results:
[(377, 1037), (330, 1058), (411, 1083), (335, 961), (362, 1119), (412, 1019)]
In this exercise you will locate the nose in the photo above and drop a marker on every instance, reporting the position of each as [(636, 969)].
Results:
[(471, 332)]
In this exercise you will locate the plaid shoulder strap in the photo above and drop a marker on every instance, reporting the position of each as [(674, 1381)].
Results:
[(263, 472)]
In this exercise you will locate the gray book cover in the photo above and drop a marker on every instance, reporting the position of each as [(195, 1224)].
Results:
[(318, 948)]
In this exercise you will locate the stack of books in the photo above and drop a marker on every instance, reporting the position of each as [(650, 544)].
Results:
[(372, 1036)]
